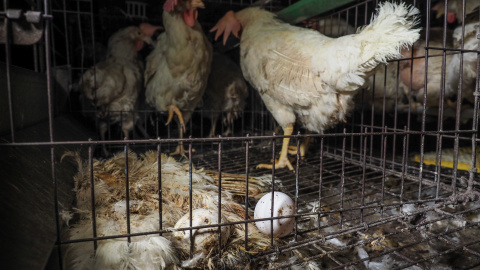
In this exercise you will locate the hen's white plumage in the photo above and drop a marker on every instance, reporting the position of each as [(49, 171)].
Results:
[(470, 42), (113, 85), (306, 77), (417, 68), (177, 69)]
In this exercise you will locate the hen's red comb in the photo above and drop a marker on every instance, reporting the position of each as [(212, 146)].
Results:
[(170, 5)]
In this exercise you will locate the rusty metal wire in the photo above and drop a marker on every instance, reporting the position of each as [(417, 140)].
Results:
[(359, 188)]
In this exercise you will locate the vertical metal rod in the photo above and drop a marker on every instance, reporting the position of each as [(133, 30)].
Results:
[(320, 183), (55, 198), (127, 193), (425, 94), (220, 196), (342, 185), (246, 190), (476, 95), (438, 150), (364, 167), (157, 126), (159, 179), (384, 95), (404, 164), (362, 119), (263, 115), (48, 45), (8, 56), (273, 190), (52, 33), (458, 111), (92, 196), (92, 23), (394, 119), (384, 168), (82, 54), (190, 193), (242, 113), (252, 105), (372, 118), (397, 76), (65, 26), (297, 169)]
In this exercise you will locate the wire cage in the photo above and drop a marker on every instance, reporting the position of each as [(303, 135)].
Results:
[(394, 186)]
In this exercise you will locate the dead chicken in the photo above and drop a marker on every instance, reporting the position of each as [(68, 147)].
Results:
[(152, 209)]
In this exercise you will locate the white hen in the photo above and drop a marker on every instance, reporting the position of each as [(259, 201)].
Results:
[(177, 69), (307, 77), (412, 73), (470, 42), (113, 85)]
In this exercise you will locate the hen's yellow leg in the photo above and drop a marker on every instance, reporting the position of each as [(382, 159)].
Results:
[(282, 161), (174, 109), (181, 128), (179, 150), (292, 149)]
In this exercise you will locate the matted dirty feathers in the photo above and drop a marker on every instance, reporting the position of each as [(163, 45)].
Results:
[(150, 240)]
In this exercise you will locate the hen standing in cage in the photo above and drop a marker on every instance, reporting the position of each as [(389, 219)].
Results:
[(304, 76), (467, 38), (225, 94), (412, 73), (177, 69), (113, 85)]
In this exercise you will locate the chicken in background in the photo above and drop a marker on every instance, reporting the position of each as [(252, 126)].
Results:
[(112, 86), (469, 72), (177, 69), (454, 9), (306, 77), (225, 94), (416, 69), (384, 92)]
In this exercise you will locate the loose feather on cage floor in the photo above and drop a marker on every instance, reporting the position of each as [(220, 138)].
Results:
[(146, 248), (365, 219)]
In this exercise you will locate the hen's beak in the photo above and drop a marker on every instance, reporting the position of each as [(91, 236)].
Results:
[(148, 40)]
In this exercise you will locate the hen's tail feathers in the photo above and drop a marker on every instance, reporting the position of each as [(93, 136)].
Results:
[(391, 29)]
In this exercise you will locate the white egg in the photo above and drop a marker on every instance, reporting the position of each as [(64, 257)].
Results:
[(204, 239), (283, 205)]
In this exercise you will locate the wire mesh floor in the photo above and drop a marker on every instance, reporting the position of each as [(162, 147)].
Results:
[(361, 217)]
